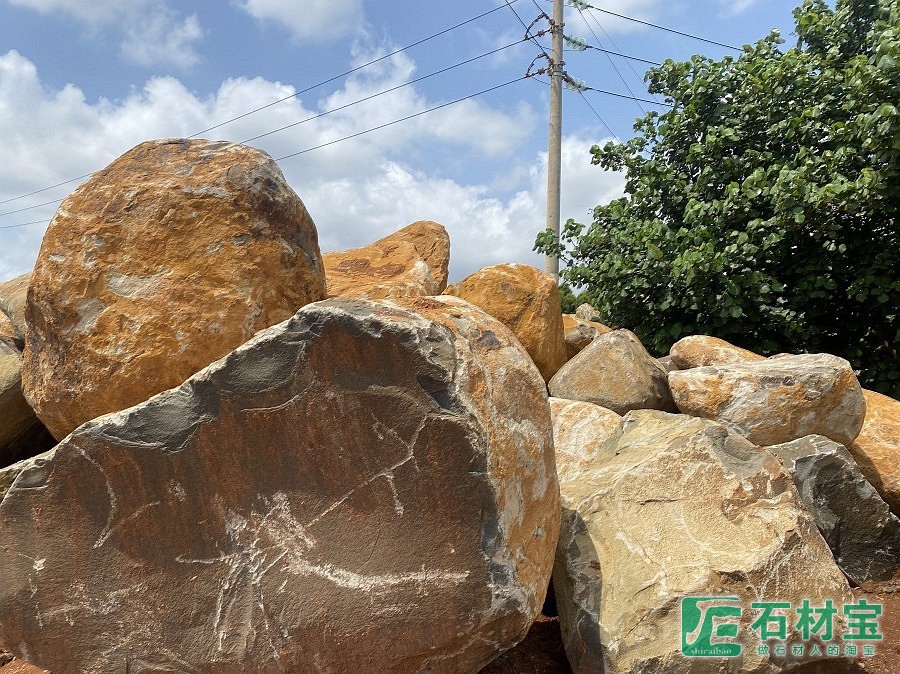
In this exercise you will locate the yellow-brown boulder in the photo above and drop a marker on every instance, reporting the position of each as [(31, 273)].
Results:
[(164, 261), (412, 262)]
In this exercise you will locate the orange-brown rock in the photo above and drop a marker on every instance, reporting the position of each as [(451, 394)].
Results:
[(164, 261), (701, 350), (776, 400), (412, 262), (579, 333), (16, 416), (877, 447), (12, 307), (366, 487), (527, 302)]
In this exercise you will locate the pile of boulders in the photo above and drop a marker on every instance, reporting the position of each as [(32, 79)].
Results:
[(225, 452)]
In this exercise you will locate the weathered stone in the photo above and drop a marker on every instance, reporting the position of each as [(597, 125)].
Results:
[(776, 400), (877, 447), (616, 372), (579, 333), (579, 431), (16, 416), (681, 507), (586, 312), (667, 363), (702, 350), (527, 302), (167, 259), (12, 307), (412, 262), (857, 524), (353, 490)]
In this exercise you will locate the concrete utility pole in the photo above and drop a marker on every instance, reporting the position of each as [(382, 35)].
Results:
[(554, 156)]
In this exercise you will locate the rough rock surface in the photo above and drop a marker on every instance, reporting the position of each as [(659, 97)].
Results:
[(167, 259), (579, 431), (412, 262), (12, 307), (352, 490), (16, 416), (586, 312), (776, 400), (579, 333), (616, 372), (526, 300), (681, 507), (702, 350), (667, 363), (857, 524), (877, 447)]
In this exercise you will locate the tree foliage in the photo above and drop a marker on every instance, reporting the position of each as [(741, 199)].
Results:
[(763, 207)]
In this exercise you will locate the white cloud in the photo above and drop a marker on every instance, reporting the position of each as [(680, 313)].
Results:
[(737, 6), (315, 20), (162, 37), (356, 191), (154, 34), (645, 10)]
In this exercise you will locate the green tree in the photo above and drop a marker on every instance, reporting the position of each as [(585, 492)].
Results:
[(763, 207)]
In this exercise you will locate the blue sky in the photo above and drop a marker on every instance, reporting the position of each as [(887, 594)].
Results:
[(82, 81)]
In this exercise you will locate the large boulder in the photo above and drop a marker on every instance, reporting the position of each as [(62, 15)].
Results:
[(526, 300), (702, 350), (677, 508), (12, 307), (776, 400), (412, 262), (857, 524), (616, 372), (21, 434), (579, 431), (353, 490), (579, 333), (167, 259), (877, 447), (587, 312)]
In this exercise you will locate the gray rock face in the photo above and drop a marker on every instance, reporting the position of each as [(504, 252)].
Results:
[(675, 507), (616, 372), (857, 524), (352, 490)]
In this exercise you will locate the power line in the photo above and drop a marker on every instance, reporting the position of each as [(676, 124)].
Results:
[(642, 100), (386, 91), (281, 100), (583, 5), (351, 71), (624, 56), (28, 208), (23, 224), (588, 103), (609, 58), (403, 119)]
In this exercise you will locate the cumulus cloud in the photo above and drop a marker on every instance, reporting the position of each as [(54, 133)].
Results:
[(309, 20), (356, 190), (153, 34)]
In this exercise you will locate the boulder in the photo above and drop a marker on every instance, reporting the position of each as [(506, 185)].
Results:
[(412, 262), (616, 372), (681, 508), (527, 302), (579, 431), (777, 400), (352, 490), (667, 363), (164, 261), (586, 312), (17, 419), (857, 524), (12, 307), (579, 333), (877, 447), (702, 350)]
